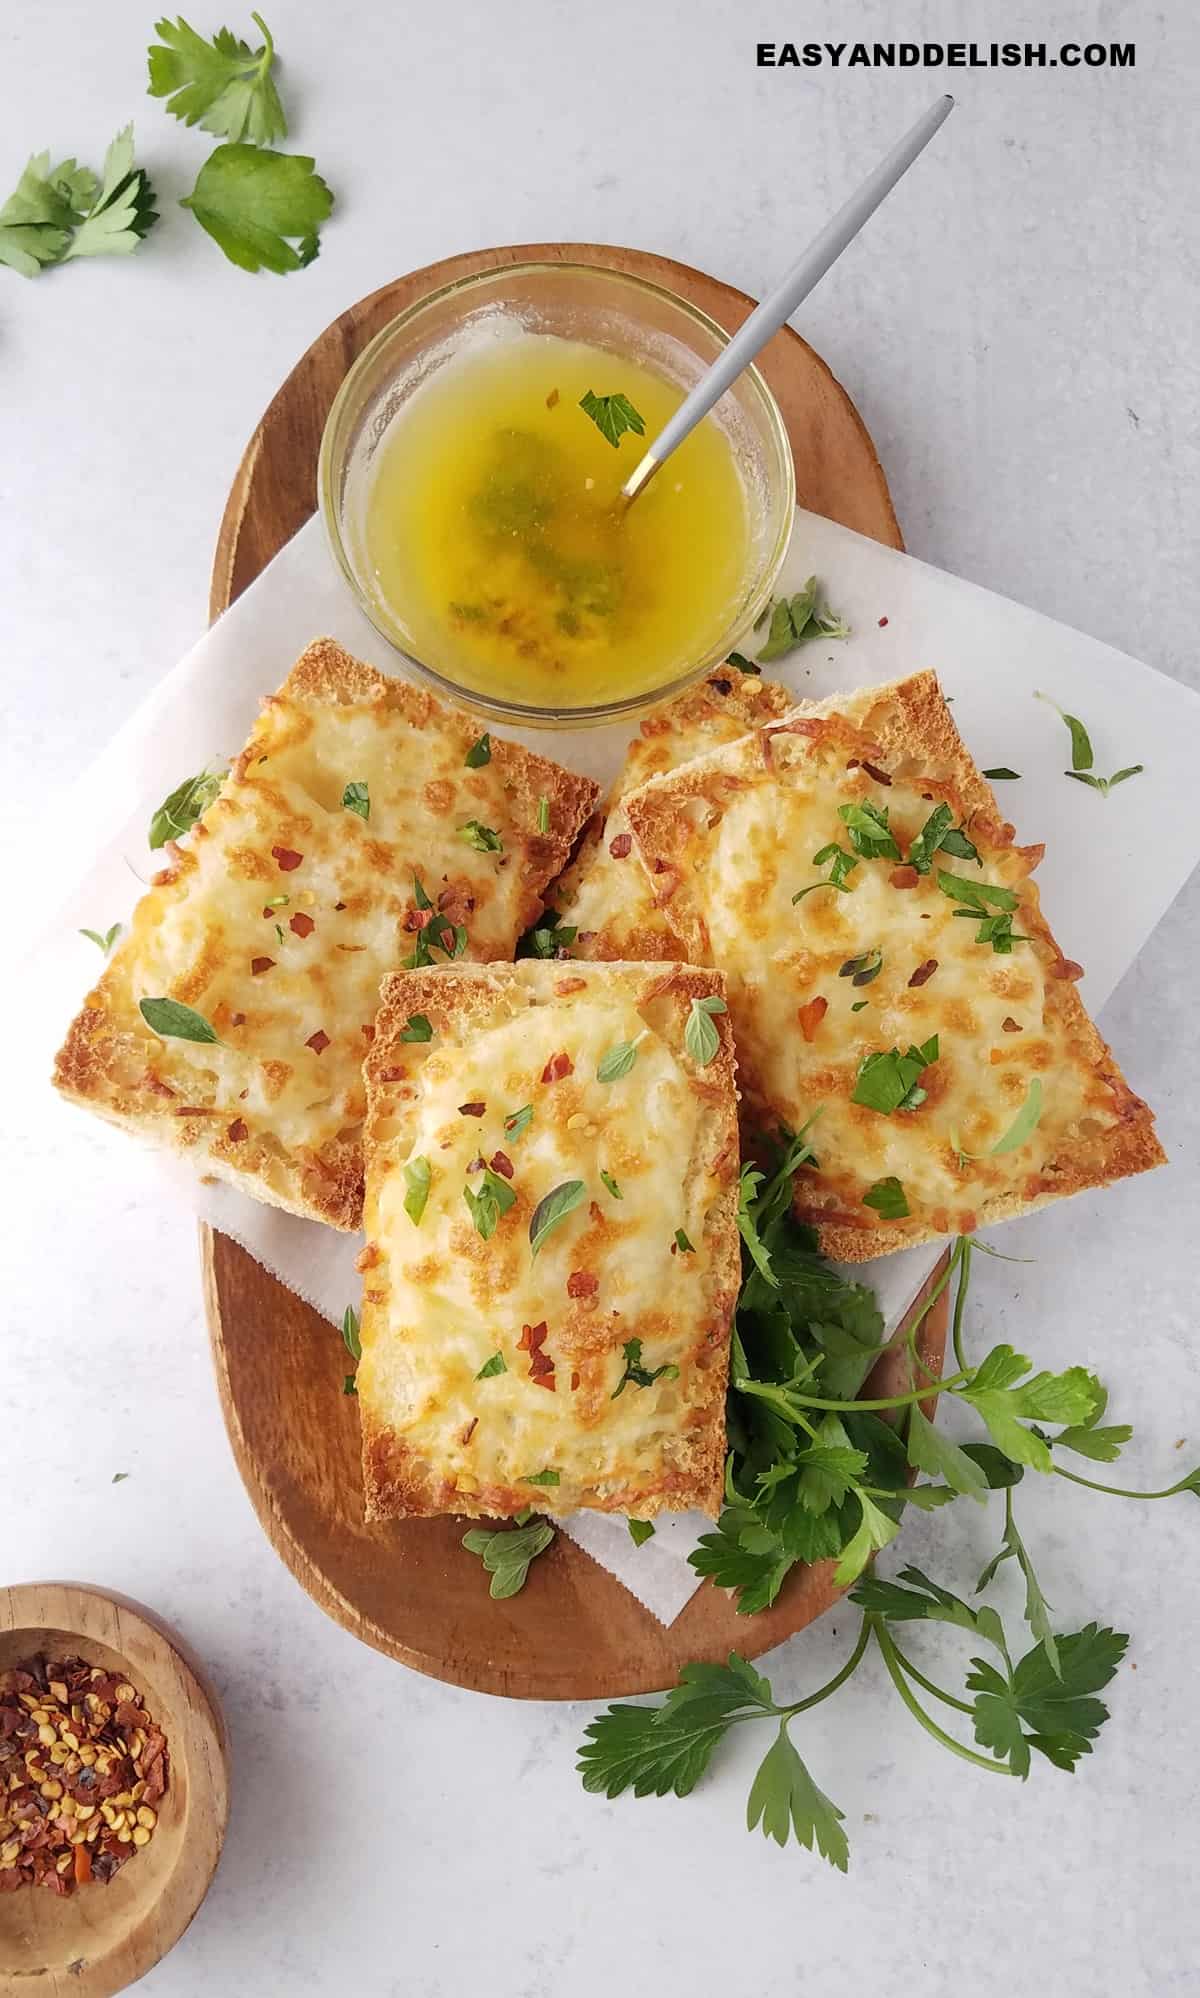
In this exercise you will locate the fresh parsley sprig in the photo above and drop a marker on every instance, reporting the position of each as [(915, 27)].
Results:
[(57, 213), (224, 85), (797, 621)]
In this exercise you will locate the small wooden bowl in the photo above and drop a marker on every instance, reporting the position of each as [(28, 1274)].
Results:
[(100, 1939)]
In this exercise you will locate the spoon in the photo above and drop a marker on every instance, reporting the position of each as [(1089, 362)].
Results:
[(803, 277)]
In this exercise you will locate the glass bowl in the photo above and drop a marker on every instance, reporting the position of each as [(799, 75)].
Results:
[(607, 309)]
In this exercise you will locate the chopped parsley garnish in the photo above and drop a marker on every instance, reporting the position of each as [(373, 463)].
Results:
[(490, 1368), (439, 933), (479, 753), (610, 1185), (353, 1343), (541, 1478), (612, 415), (636, 1374), (867, 829), (939, 834), (1019, 1132), (482, 838), (888, 1198), (494, 1198), (640, 1530), (682, 1243), (616, 1062), (548, 937), (1000, 773), (506, 1553), (543, 815), (186, 803), (859, 1004), (552, 1209), (417, 1028), (357, 798), (173, 1022), (103, 941), (889, 1080), (1083, 756), (797, 621), (743, 665), (419, 895), (418, 1177), (861, 970), (990, 903), (518, 1121), (843, 866), (700, 1037)]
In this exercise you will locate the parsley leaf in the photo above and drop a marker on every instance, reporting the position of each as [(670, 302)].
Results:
[(173, 1022), (682, 1243), (640, 1530), (1037, 1609), (103, 941), (553, 1208), (185, 804), (507, 1553), (518, 1121), (1005, 1402), (1001, 772), (700, 1037), (784, 1798), (357, 798), (843, 867), (867, 829), (940, 834), (479, 753), (796, 621), (610, 1185), (1082, 755), (932, 1451), (888, 1198), (612, 415), (418, 1178), (863, 969), (353, 1344), (541, 1478), (888, 1080), (417, 1028), (494, 1198), (251, 201), (616, 1062), (548, 937), (490, 1368), (56, 213), (656, 1751), (543, 815), (1057, 1707), (638, 1375), (123, 211), (439, 933), (482, 838), (978, 898), (223, 86)]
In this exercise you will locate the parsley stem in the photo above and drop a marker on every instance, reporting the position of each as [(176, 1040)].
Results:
[(785, 1400), (886, 1643), (1122, 1491), (960, 1299), (839, 1678), (948, 1699)]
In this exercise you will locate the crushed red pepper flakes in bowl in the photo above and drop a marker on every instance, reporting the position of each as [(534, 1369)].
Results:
[(82, 1767)]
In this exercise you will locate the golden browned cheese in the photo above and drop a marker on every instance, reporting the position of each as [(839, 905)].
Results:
[(491, 1372), (730, 840), (605, 892), (283, 909)]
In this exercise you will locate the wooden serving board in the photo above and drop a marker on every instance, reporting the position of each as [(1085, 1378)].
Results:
[(406, 1587)]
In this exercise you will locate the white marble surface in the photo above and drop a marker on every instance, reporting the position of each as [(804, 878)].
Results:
[(1018, 330)]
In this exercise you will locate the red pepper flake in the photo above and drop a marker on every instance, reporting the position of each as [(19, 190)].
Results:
[(882, 623), (237, 1131), (541, 1366), (873, 770), (581, 1283), (301, 925), (904, 877), (237, 1019), (659, 867), (471, 1109), (318, 1042), (367, 1031), (260, 964), (811, 1015), (924, 972), (1010, 1026), (287, 858), (622, 846), (391, 1075), (557, 1067), (575, 1378), (501, 1163), (339, 905)]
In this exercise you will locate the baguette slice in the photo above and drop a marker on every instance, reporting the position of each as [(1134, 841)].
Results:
[(491, 1372), (282, 910), (605, 893), (821, 985)]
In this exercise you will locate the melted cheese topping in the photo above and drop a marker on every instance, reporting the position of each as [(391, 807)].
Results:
[(738, 841), (440, 1301), (280, 916)]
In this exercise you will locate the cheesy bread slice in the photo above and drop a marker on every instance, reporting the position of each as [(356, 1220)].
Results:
[(362, 826), (605, 893), (552, 1247), (890, 972)]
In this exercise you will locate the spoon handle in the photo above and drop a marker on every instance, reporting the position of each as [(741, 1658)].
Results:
[(779, 305)]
